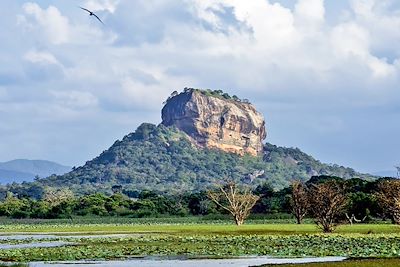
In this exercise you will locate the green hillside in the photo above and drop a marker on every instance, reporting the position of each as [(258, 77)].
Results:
[(163, 159)]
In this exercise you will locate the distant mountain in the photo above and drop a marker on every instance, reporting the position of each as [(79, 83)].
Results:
[(20, 170)]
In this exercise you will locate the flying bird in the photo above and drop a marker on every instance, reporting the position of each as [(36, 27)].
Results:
[(92, 14)]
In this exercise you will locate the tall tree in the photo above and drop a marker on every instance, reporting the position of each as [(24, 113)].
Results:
[(388, 198), (57, 196), (237, 201), (327, 202), (299, 201)]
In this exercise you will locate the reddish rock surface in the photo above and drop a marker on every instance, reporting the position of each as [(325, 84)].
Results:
[(216, 122)]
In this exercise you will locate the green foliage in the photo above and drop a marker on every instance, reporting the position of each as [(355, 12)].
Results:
[(149, 204), (13, 265), (153, 204), (162, 159), (14, 207), (211, 240), (213, 93)]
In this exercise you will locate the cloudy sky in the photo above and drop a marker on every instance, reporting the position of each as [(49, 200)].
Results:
[(325, 74)]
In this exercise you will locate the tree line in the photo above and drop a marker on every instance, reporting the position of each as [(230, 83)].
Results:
[(328, 200)]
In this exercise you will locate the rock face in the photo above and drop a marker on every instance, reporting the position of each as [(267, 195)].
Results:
[(216, 121)]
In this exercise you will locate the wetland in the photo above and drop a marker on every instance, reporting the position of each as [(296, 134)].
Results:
[(182, 244)]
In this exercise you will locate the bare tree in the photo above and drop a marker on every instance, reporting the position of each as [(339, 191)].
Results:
[(56, 196), (299, 201), (327, 202), (388, 198), (237, 201), (398, 171)]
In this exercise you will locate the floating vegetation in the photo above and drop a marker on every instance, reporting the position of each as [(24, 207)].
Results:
[(13, 265), (308, 245)]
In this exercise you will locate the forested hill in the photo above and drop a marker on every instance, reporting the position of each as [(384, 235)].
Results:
[(163, 159)]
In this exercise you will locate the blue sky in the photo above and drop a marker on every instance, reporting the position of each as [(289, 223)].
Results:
[(325, 74)]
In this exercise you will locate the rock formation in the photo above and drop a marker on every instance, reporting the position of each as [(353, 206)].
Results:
[(216, 120)]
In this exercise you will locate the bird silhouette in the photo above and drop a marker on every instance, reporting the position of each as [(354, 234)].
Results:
[(92, 14)]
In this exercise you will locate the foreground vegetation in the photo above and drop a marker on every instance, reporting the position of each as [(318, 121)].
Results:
[(172, 227), (215, 240), (212, 245)]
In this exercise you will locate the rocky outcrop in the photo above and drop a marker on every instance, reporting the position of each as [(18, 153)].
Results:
[(216, 120)]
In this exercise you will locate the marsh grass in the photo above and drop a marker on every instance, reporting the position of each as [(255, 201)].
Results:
[(203, 229), (13, 265), (306, 245), (215, 240)]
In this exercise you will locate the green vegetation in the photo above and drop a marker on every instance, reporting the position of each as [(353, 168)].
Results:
[(359, 202), (161, 226), (162, 158), (14, 265), (219, 94), (207, 240), (209, 92)]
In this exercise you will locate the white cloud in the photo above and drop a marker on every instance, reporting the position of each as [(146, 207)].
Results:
[(75, 99), (382, 21), (287, 59), (353, 41), (350, 39), (363, 7), (51, 25), (55, 25), (100, 5), (134, 93), (311, 11), (41, 57), (297, 41), (139, 95)]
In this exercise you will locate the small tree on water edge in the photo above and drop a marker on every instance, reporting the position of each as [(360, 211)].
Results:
[(238, 201), (299, 201), (388, 197), (327, 202)]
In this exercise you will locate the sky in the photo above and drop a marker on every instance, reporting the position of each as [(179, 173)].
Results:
[(325, 74)]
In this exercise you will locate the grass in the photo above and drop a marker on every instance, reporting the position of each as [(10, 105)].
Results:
[(207, 219), (271, 229)]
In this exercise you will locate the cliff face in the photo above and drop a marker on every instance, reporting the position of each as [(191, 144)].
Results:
[(216, 122)]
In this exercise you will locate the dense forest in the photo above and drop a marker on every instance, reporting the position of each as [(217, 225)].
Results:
[(62, 203), (162, 159)]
